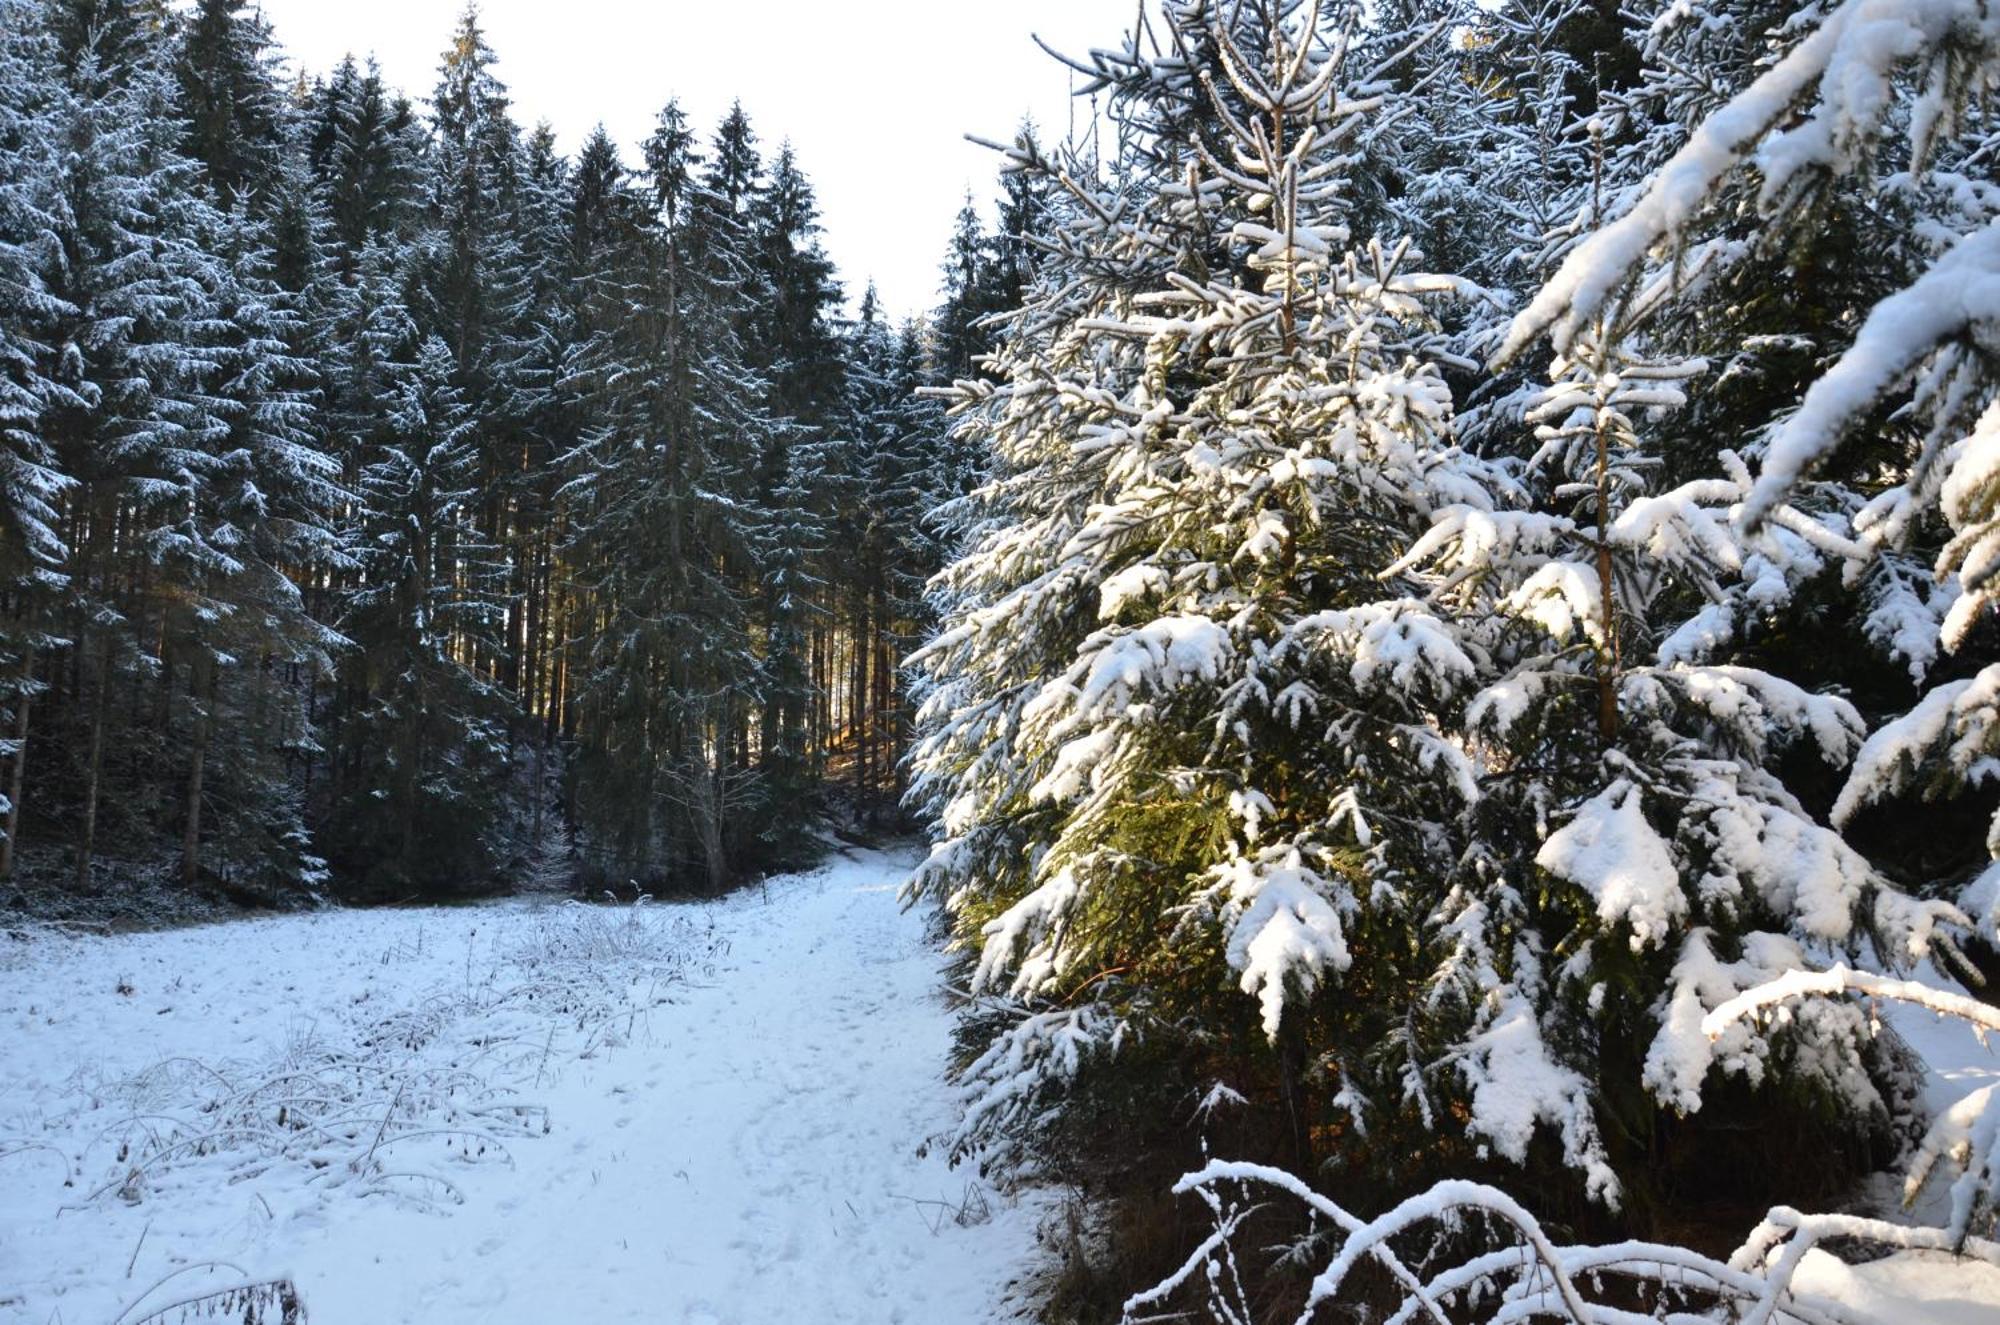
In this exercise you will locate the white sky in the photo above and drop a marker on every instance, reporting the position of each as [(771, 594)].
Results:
[(875, 95)]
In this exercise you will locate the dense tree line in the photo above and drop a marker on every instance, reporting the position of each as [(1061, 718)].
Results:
[(1490, 555), (395, 504)]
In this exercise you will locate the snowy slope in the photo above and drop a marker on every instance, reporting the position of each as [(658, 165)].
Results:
[(734, 1099)]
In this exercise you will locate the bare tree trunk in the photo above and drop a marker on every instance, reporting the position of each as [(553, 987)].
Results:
[(1608, 661), (203, 678), (540, 792), (17, 773), (857, 716), (889, 758), (699, 789), (86, 838)]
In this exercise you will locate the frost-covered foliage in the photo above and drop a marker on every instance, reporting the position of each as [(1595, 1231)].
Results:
[(1182, 734)]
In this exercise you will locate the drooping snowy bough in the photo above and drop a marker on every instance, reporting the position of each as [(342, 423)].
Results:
[(1526, 1275)]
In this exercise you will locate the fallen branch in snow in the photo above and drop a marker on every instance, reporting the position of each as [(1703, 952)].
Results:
[(258, 1302), (198, 1267), (12, 1149)]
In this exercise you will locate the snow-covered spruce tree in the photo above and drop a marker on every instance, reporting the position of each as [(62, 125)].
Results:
[(230, 99), (477, 290), (1772, 297), (136, 350), (366, 150), (886, 477), (242, 667), (421, 735), (1638, 855), (791, 342), (563, 223), (1027, 210), (1621, 888), (958, 334), (665, 675), (276, 495), (1187, 749), (33, 550)]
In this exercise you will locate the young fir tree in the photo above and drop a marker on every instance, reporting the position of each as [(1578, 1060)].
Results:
[(1186, 749), (1909, 369), (1658, 592)]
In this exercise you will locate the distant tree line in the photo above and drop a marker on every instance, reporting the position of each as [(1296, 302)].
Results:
[(394, 505)]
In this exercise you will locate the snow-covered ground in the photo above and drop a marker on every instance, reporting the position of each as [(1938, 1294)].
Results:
[(734, 1094), (535, 1111)]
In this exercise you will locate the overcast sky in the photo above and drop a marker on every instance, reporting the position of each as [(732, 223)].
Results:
[(875, 95)]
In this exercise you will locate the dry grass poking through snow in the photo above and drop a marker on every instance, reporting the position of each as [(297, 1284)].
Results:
[(386, 1101)]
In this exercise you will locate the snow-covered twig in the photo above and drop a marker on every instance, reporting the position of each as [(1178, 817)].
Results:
[(1532, 1277), (1967, 1134), (1845, 980)]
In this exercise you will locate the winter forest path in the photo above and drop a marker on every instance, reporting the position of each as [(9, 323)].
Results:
[(748, 1154)]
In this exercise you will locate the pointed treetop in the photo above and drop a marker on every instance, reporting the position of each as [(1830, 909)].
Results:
[(671, 158)]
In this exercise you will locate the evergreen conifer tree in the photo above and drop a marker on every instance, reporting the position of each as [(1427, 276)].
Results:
[(34, 554)]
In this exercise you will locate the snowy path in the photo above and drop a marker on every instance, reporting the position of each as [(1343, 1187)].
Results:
[(747, 1155)]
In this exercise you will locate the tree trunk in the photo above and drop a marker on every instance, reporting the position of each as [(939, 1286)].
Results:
[(203, 679), (540, 791), (1608, 662), (857, 705), (86, 838), (16, 774)]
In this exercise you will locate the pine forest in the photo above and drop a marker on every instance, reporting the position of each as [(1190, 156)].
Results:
[(1381, 704)]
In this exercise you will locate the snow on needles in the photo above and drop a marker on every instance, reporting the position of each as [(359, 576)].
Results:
[(1610, 851), (1282, 927), (1849, 57), (1961, 290)]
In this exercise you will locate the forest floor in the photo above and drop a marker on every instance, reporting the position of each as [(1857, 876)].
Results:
[(523, 1111)]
